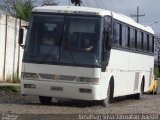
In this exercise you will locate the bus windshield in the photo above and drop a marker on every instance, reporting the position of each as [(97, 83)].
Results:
[(63, 39)]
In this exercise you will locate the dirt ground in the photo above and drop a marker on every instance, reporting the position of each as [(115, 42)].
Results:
[(30, 106)]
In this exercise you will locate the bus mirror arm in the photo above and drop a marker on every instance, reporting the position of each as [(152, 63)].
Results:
[(20, 40)]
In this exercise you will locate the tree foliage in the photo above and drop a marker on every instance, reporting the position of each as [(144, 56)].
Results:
[(22, 8)]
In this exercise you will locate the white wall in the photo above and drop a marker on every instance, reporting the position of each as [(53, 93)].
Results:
[(9, 37)]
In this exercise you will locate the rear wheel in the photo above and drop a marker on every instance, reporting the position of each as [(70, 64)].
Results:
[(139, 95), (45, 100)]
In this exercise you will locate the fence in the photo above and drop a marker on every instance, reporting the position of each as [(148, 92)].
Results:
[(10, 52)]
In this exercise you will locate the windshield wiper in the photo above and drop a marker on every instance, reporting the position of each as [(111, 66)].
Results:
[(60, 46), (66, 44), (70, 50)]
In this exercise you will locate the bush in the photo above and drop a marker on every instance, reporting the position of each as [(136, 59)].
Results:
[(156, 72), (10, 88)]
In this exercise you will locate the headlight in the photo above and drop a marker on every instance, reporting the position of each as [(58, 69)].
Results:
[(93, 81), (25, 75)]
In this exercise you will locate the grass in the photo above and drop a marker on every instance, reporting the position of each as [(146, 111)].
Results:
[(12, 79), (10, 88)]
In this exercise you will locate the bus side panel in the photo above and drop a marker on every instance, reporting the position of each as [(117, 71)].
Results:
[(118, 65), (128, 69), (148, 65)]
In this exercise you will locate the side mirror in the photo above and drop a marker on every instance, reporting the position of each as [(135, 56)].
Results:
[(20, 40)]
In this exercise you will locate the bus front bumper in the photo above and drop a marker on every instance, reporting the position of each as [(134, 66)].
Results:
[(61, 90)]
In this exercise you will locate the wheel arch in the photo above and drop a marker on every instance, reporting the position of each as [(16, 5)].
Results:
[(112, 85), (142, 82)]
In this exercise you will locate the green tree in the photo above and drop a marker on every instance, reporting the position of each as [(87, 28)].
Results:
[(22, 8)]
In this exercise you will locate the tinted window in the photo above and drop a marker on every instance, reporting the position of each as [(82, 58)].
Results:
[(124, 36), (75, 40), (139, 40), (142, 39), (132, 38), (151, 43), (128, 36), (136, 39), (116, 34), (145, 42)]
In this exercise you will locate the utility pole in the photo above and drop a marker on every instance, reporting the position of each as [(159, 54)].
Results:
[(76, 2), (137, 15)]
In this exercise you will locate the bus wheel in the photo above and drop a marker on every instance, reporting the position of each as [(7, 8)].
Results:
[(45, 100), (106, 101), (139, 95)]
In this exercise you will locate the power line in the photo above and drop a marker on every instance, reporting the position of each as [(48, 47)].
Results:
[(137, 15), (113, 5), (102, 4), (97, 3), (82, 3), (88, 4)]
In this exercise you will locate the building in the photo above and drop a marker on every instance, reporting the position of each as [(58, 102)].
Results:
[(10, 51)]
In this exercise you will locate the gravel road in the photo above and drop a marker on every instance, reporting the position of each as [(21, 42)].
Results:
[(17, 104), (30, 105)]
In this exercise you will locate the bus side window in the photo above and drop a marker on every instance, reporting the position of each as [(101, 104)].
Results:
[(139, 40), (142, 40), (125, 36), (152, 44), (116, 34), (145, 42), (132, 38)]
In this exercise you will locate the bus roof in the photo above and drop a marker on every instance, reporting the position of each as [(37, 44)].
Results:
[(93, 11)]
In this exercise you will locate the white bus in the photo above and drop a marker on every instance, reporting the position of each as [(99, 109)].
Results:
[(85, 53)]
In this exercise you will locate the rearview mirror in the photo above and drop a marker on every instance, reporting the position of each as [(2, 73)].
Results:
[(20, 40)]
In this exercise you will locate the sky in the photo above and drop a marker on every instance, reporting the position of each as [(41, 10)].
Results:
[(151, 9)]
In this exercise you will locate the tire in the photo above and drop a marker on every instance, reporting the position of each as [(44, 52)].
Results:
[(45, 100), (106, 101), (139, 95)]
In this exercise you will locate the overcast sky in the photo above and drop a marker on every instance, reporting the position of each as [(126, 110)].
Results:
[(151, 9)]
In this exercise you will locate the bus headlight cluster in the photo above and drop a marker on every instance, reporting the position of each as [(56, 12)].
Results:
[(93, 81), (26, 75)]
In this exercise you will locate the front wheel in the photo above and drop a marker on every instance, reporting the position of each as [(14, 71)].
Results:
[(106, 101), (45, 100)]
